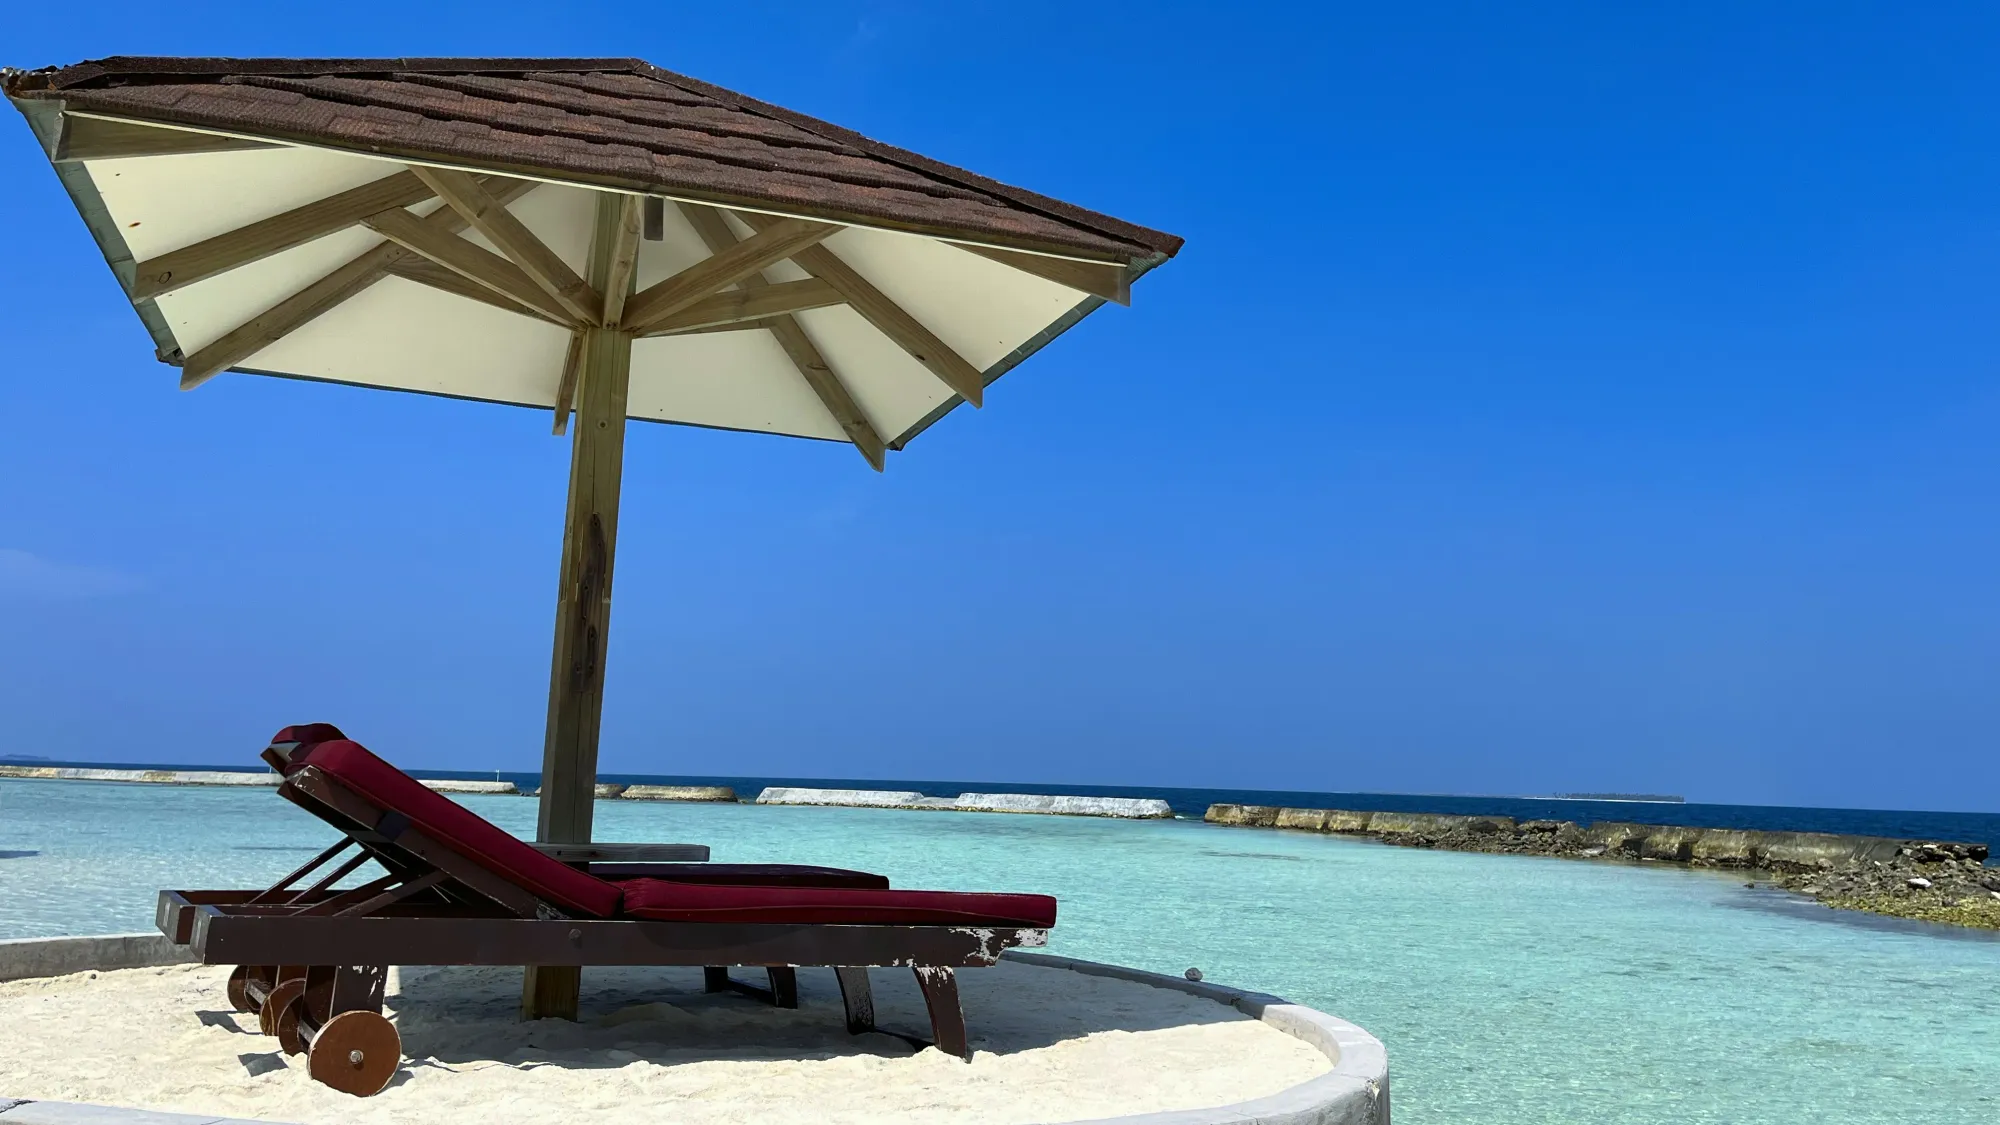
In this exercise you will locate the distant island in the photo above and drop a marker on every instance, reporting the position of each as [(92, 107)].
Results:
[(24, 758), (1653, 798)]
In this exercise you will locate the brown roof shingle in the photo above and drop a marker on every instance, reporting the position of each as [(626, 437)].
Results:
[(619, 122)]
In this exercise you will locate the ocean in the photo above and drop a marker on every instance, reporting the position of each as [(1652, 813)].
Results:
[(1957, 827), (1510, 990)]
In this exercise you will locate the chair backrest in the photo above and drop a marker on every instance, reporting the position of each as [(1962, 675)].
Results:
[(457, 827), (304, 736)]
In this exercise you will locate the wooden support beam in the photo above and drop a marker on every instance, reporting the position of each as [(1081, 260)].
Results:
[(423, 271), (462, 193), (1108, 280), (739, 326), (804, 354), (820, 376), (579, 342), (288, 315), (624, 267), (781, 239), (583, 604), (468, 259), (274, 235), (888, 317), (93, 138), (749, 303)]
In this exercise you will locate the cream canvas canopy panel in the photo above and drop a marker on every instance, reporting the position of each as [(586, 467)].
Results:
[(427, 225)]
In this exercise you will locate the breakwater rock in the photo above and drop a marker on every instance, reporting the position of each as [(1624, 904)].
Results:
[(1926, 881), (850, 798), (675, 792), (1923, 879), (1131, 808), (1795, 852), (215, 777), (451, 785), (151, 777), (1128, 808)]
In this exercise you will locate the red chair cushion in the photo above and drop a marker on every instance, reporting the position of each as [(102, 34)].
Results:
[(664, 901), (308, 733), (462, 830)]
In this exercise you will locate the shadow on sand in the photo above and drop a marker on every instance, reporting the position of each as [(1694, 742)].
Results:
[(466, 1018)]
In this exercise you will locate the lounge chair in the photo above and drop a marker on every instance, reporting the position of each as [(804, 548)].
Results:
[(460, 891)]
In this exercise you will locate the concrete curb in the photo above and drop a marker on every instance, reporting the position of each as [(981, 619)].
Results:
[(21, 958), (79, 1113), (1354, 1092)]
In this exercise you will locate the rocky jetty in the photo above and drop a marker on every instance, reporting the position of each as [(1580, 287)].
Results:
[(850, 798), (1129, 808), (721, 793), (149, 777), (1930, 880), (453, 785), (217, 777)]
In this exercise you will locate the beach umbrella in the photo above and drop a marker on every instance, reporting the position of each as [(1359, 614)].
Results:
[(597, 238)]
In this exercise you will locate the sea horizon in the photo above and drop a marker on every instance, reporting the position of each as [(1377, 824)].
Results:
[(1193, 801)]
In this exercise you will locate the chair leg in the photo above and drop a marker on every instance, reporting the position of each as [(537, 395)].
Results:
[(856, 997), (318, 996), (551, 992), (357, 988), (782, 993), (784, 985), (940, 988)]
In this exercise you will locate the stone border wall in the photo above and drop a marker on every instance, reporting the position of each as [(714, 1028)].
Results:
[(1702, 847), (1354, 1092), (21, 958)]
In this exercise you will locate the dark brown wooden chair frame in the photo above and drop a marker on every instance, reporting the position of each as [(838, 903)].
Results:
[(318, 953)]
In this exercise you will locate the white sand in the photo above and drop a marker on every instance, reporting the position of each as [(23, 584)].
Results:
[(1050, 1045)]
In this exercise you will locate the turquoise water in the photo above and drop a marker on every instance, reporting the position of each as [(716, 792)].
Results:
[(1508, 989)]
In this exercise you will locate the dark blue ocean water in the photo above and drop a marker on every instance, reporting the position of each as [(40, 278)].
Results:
[(1974, 828)]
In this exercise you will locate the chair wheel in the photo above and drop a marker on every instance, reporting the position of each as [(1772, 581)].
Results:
[(239, 982), (277, 1001), (356, 1053)]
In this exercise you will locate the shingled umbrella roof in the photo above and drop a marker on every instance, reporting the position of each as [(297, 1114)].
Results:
[(223, 191)]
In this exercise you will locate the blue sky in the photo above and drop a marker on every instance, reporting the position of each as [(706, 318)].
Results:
[(1566, 398)]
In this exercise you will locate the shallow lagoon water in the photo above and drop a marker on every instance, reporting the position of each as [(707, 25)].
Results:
[(1508, 989)]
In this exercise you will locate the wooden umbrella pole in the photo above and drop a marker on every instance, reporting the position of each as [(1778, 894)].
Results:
[(583, 605)]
